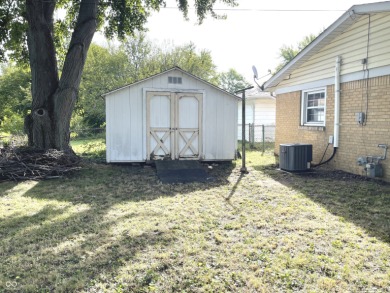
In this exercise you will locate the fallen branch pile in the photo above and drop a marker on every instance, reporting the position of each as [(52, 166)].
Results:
[(30, 164)]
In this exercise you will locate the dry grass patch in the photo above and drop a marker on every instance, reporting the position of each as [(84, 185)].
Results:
[(111, 228)]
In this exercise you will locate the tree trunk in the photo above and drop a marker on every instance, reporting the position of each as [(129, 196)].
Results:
[(44, 74), (53, 99)]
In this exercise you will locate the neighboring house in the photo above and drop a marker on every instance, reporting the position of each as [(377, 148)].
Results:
[(171, 115), (260, 110), (337, 90)]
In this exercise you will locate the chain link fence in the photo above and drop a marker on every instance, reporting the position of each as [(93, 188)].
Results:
[(14, 140), (81, 133), (258, 136)]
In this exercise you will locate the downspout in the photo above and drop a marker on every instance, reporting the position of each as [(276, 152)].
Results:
[(336, 131), (337, 103)]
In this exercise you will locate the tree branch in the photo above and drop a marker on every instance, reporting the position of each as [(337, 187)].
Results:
[(65, 97)]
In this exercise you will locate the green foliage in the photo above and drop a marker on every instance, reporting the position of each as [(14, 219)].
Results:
[(137, 58), (13, 29), (104, 70), (231, 81), (115, 18), (52, 24), (187, 58), (15, 97), (146, 59), (107, 69), (12, 124), (139, 50), (287, 53)]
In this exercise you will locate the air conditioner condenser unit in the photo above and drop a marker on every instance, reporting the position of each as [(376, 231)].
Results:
[(295, 157)]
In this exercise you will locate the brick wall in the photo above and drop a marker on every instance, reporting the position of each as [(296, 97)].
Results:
[(355, 140)]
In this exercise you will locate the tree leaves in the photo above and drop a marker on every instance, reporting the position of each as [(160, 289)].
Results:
[(13, 29), (288, 53), (136, 59), (115, 17), (231, 81)]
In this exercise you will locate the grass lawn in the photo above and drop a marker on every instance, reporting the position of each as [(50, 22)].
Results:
[(115, 228)]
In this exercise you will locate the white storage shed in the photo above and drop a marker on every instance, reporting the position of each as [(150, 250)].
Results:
[(171, 115)]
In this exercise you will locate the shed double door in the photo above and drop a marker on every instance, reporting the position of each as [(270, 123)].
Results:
[(173, 125)]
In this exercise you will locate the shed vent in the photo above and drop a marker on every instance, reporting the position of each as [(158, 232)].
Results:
[(174, 80), (295, 157)]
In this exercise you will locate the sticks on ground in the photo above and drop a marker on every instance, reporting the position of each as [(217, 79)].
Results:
[(30, 164)]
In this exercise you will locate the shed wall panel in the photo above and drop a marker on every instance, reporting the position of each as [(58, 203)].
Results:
[(220, 123), (124, 126), (136, 124)]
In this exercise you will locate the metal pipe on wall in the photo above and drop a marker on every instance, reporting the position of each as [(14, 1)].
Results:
[(337, 103)]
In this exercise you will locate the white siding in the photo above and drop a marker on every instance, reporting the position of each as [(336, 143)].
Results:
[(260, 111), (352, 47), (249, 112), (124, 126), (265, 110), (249, 118), (126, 118)]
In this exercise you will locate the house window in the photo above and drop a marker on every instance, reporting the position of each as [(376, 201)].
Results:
[(313, 107), (174, 80)]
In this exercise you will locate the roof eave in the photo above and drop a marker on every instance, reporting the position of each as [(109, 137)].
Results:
[(344, 21), (139, 81), (164, 72)]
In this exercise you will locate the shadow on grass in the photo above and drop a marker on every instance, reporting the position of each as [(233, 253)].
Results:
[(105, 185), (5, 187), (68, 241), (234, 189), (48, 258), (356, 199)]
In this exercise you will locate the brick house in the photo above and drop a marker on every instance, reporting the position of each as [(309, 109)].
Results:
[(335, 94)]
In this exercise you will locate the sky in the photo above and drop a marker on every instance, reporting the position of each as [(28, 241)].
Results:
[(253, 32)]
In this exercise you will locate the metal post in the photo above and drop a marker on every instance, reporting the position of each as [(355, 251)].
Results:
[(252, 135), (263, 137), (243, 167)]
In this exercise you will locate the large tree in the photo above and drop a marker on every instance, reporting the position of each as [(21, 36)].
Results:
[(28, 30)]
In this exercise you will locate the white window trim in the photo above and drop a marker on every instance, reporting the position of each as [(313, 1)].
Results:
[(303, 107)]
